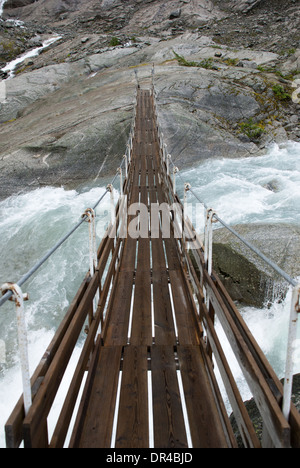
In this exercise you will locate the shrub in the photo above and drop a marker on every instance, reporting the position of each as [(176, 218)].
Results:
[(280, 93), (252, 130), (114, 42)]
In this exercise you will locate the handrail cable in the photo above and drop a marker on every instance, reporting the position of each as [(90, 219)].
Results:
[(28, 275)]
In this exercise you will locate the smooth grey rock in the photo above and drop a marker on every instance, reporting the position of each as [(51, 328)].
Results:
[(247, 277)]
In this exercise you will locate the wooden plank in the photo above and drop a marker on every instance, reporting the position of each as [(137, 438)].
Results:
[(184, 310), (132, 430), (205, 425), (163, 318), (129, 255), (158, 255), (98, 402), (151, 172), (168, 421), (172, 253), (141, 332), (116, 329)]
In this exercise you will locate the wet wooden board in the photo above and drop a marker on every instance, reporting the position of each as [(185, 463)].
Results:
[(133, 428), (141, 331), (163, 317), (184, 313), (116, 330), (168, 421), (98, 414), (205, 425)]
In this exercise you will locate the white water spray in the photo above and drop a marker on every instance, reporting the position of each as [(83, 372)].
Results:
[(11, 66), (2, 6)]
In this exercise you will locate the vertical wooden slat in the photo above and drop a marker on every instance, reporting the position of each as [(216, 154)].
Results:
[(133, 428), (168, 421), (204, 421), (93, 428)]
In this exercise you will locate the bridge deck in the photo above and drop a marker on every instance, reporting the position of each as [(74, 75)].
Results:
[(147, 371)]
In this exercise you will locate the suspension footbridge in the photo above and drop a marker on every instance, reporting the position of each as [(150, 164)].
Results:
[(146, 373)]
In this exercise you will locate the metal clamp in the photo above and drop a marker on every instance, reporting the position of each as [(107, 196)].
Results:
[(19, 298)]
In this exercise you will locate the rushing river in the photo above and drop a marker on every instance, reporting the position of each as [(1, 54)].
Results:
[(31, 223)]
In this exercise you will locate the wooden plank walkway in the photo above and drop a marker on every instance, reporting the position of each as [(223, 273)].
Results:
[(149, 355), (148, 384)]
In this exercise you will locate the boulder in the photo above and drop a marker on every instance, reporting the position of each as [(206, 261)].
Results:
[(247, 278)]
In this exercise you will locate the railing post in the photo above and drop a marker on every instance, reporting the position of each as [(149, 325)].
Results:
[(161, 141), (187, 188), (112, 204), (90, 215), (19, 299), (121, 180), (175, 170), (169, 157), (126, 165), (208, 247), (292, 341), (208, 240)]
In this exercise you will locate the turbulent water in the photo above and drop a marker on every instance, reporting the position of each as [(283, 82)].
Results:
[(31, 223), (1, 6), (252, 190)]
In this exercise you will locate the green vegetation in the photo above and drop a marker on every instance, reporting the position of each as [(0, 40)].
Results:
[(115, 41), (289, 76), (206, 63), (9, 50), (280, 93), (253, 130), (231, 62)]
